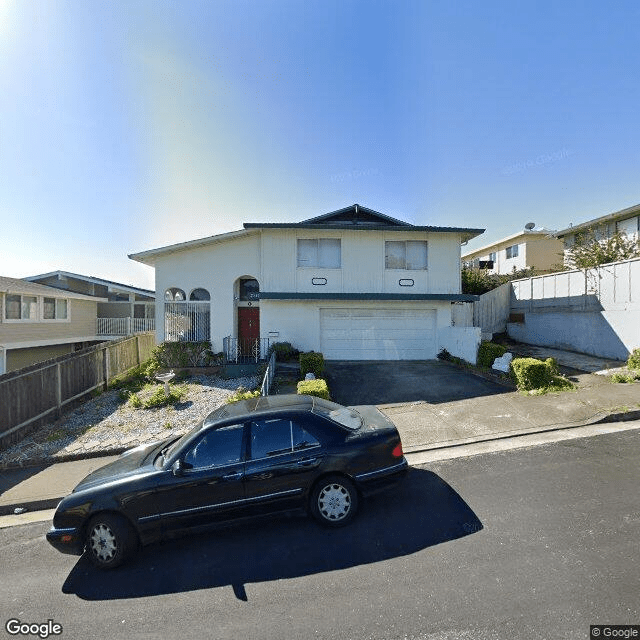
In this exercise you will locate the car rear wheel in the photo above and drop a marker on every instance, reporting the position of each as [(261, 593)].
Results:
[(334, 501), (110, 540)]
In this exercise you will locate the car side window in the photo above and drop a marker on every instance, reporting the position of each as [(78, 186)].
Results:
[(302, 439), (270, 438), (217, 447), (277, 436)]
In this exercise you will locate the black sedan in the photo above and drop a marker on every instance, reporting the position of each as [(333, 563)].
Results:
[(251, 458)]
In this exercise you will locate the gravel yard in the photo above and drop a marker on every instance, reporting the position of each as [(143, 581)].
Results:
[(107, 424)]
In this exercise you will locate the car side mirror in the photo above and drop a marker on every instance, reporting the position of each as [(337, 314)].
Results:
[(178, 468)]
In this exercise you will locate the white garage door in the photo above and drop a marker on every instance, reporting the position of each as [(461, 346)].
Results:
[(378, 334)]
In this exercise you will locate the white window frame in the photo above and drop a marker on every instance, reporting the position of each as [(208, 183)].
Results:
[(514, 250), (316, 262), (21, 319), (406, 243), (56, 317)]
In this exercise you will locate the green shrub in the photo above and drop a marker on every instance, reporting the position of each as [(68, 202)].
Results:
[(531, 373), (243, 394), (312, 362), (160, 399), (179, 355), (488, 352), (284, 351), (316, 388), (134, 401), (537, 376), (624, 377), (634, 359)]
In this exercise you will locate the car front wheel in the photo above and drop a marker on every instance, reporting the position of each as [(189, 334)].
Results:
[(334, 501), (110, 540)]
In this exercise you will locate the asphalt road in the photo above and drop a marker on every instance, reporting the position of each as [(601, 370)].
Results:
[(526, 544)]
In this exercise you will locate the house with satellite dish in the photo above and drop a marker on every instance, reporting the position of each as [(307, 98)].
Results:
[(533, 247)]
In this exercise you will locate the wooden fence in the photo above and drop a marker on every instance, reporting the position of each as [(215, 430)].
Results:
[(38, 394)]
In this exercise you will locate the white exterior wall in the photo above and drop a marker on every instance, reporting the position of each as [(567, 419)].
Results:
[(362, 256), (270, 256), (215, 268), (298, 321)]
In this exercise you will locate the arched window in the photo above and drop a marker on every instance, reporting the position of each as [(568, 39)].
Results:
[(199, 295), (174, 295)]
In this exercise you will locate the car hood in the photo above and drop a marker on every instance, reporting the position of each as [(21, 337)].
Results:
[(131, 463)]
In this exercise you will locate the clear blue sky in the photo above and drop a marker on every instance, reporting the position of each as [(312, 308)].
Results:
[(129, 125)]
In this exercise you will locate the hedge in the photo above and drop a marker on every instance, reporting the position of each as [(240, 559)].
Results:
[(533, 374), (312, 362), (316, 388), (488, 352)]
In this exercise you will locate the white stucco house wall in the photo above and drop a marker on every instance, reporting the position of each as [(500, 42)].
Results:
[(353, 284)]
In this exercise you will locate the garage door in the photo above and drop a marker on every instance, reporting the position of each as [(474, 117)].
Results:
[(378, 334)]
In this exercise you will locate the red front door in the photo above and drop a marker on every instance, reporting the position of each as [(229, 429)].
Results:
[(248, 329)]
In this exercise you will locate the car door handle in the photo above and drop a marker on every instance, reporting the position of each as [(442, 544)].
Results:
[(307, 462), (233, 476)]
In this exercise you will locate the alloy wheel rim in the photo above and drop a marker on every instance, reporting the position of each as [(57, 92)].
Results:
[(103, 543), (334, 502)]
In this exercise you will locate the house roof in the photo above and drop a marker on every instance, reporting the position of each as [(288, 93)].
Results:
[(24, 287), (595, 222), (525, 233), (353, 217), (364, 219), (92, 279)]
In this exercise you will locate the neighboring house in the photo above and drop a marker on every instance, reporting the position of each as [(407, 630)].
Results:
[(625, 221), (537, 248), (353, 284), (134, 308), (38, 323)]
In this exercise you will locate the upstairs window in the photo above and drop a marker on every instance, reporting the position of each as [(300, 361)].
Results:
[(19, 307), (54, 309), (322, 253), (410, 255), (512, 251)]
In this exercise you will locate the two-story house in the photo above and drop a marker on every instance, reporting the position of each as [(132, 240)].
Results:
[(38, 323), (353, 284), (530, 248), (123, 309), (626, 221)]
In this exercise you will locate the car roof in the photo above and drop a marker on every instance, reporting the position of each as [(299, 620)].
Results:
[(262, 404)]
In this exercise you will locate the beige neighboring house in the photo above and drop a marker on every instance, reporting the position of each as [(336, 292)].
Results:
[(38, 323), (535, 247), (625, 221), (125, 309)]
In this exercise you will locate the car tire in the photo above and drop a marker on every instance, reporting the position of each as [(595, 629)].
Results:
[(110, 540), (334, 501)]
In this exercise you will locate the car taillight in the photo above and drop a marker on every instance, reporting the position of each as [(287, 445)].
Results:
[(397, 451)]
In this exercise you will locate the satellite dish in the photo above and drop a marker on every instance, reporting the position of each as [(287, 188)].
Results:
[(529, 226)]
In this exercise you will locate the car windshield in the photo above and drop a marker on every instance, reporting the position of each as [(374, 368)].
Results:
[(174, 446), (344, 416)]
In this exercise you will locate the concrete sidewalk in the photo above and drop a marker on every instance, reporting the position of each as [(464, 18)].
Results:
[(423, 426)]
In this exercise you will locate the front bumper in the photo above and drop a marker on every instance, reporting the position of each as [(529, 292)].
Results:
[(66, 540)]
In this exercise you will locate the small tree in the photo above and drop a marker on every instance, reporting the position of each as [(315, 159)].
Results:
[(588, 251)]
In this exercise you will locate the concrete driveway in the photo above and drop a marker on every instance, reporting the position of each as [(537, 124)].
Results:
[(388, 382)]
